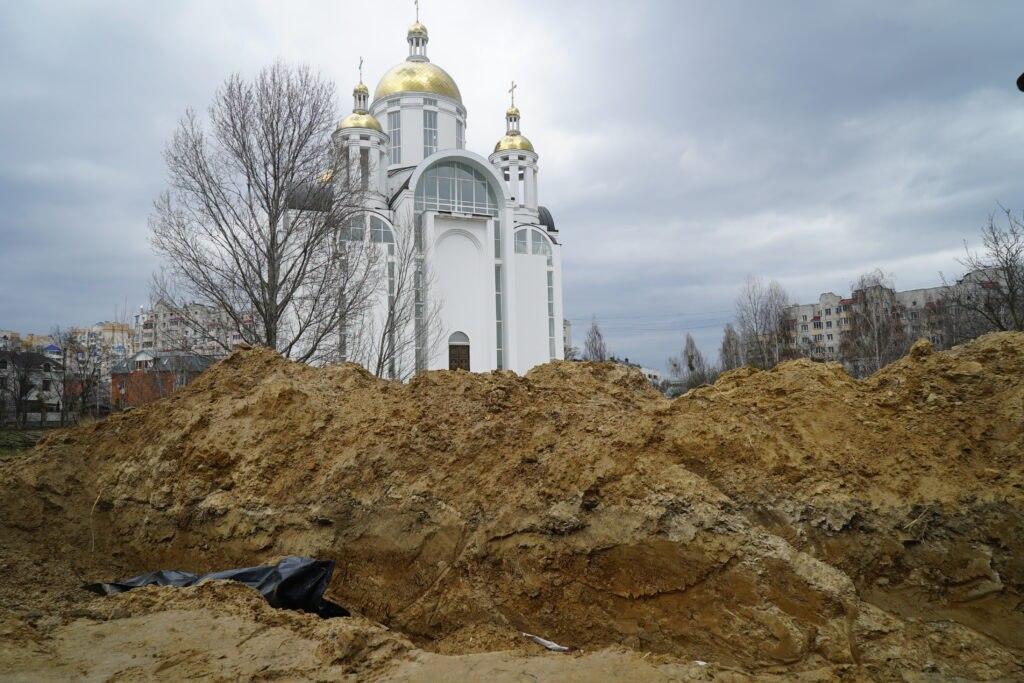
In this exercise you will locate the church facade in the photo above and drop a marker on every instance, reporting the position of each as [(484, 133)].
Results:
[(491, 250)]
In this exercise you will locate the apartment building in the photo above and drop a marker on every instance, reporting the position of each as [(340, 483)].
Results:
[(818, 326), (196, 328), (30, 388)]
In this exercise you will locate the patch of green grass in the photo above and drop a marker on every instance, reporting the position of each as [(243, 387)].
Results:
[(14, 441)]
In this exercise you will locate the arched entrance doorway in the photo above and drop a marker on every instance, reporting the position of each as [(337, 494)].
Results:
[(458, 351)]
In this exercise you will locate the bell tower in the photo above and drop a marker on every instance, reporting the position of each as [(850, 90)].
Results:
[(516, 159)]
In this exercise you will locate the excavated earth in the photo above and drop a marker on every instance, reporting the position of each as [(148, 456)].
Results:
[(794, 524)]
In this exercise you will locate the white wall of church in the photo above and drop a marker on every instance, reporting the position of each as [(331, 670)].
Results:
[(531, 311), (463, 280), (412, 119)]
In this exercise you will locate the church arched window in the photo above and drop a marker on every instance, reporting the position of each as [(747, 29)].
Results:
[(380, 232), (355, 228), (533, 241), (367, 227), (455, 187), (361, 225)]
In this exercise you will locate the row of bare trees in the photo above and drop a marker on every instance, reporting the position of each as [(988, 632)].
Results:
[(988, 297), (763, 336), (75, 381), (26, 384), (263, 221), (84, 373)]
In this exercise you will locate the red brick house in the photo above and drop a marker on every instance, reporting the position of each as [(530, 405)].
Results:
[(151, 375)]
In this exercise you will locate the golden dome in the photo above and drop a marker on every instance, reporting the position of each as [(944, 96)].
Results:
[(515, 141), (417, 77), (356, 120), (418, 30), (361, 89), (512, 111)]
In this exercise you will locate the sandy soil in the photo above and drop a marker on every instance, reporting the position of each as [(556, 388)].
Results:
[(790, 524)]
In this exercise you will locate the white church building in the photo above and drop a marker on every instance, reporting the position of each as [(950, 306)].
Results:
[(492, 250)]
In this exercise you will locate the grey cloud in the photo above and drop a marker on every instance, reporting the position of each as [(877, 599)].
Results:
[(683, 145)]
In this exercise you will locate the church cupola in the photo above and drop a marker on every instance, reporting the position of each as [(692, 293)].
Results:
[(513, 139), (361, 145), (417, 37), (515, 157), (360, 116), (360, 97), (512, 120)]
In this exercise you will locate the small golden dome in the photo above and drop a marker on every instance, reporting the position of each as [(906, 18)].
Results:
[(417, 77), (515, 141), (512, 111), (356, 120), (361, 89), (417, 30)]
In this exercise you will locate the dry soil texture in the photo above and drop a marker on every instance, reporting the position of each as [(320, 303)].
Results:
[(794, 523)]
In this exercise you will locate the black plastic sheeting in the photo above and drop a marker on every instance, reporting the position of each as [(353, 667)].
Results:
[(293, 583)]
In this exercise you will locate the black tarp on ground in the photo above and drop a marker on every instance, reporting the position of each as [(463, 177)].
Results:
[(293, 583)]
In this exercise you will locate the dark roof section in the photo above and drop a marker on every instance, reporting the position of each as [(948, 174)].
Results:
[(546, 219), (29, 360), (168, 361), (311, 197), (398, 180)]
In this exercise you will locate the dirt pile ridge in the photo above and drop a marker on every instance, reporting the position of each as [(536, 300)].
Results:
[(788, 522)]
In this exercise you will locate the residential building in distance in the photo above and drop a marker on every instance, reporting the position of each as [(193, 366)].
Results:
[(107, 342), (653, 376), (148, 376), (9, 339), (30, 388), (195, 328), (818, 327), (34, 342)]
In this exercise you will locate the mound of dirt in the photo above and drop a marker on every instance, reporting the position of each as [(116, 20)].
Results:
[(795, 522)]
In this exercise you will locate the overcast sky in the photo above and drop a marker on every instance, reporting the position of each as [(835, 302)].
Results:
[(683, 145)]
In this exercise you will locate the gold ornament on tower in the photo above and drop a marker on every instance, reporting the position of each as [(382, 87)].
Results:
[(513, 139)]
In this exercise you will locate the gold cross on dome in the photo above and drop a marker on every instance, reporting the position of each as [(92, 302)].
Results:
[(512, 92)]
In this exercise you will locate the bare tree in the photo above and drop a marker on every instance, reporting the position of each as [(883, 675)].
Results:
[(15, 383), (397, 319), (990, 296), (765, 330), (6, 388), (22, 374), (64, 339), (21, 364), (691, 366), (731, 352), (88, 356), (250, 221), (876, 335), (594, 346)]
